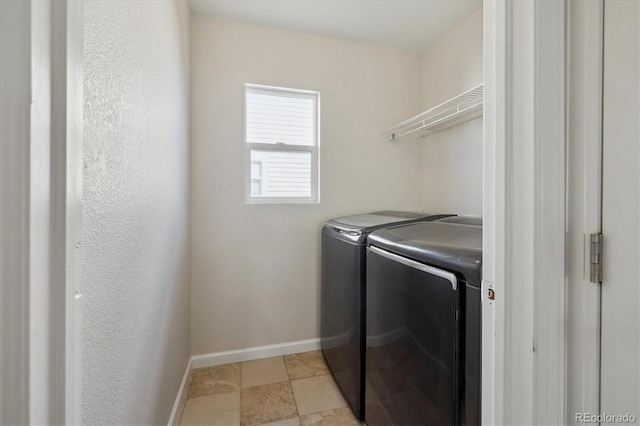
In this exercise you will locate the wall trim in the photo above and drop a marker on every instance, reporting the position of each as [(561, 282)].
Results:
[(258, 352), (227, 357), (181, 397)]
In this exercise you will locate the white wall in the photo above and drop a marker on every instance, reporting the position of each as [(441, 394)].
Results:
[(452, 159), (135, 265), (254, 270)]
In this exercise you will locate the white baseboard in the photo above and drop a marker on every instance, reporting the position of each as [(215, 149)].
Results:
[(178, 405), (249, 354), (226, 357)]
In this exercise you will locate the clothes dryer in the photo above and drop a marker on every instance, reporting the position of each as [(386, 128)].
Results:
[(342, 316), (423, 343)]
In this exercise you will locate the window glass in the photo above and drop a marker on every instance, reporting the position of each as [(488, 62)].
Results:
[(282, 173), (281, 139)]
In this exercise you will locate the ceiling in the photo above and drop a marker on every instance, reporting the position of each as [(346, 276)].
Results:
[(406, 24)]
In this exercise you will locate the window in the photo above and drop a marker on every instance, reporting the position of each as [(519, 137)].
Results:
[(281, 142)]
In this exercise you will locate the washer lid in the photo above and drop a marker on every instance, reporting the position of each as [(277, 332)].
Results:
[(453, 247), (362, 223), (463, 220)]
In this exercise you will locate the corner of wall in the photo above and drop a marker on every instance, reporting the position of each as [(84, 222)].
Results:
[(451, 66), (181, 397)]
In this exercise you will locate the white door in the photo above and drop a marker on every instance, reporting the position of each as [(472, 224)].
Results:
[(620, 323)]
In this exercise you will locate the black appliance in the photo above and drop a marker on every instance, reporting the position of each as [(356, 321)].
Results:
[(342, 316), (423, 343)]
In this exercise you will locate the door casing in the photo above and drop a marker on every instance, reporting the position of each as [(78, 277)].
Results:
[(584, 182), (524, 213), (41, 202), (620, 317)]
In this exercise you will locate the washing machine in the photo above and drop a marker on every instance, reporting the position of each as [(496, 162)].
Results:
[(423, 328), (342, 313)]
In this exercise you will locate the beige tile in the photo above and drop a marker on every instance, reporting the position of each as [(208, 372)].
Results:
[(266, 403), (293, 421), (218, 379), (315, 394), (337, 416), (306, 364), (215, 409), (263, 371)]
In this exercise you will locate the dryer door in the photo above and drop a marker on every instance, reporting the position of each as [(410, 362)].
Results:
[(412, 342)]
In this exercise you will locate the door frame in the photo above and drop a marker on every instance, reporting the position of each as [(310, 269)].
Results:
[(584, 203), (524, 213), (524, 330), (619, 319), (67, 140), (15, 96), (41, 204)]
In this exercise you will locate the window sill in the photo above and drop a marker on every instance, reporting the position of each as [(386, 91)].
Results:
[(282, 201)]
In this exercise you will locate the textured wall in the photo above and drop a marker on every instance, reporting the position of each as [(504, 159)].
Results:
[(135, 265), (452, 159), (255, 278)]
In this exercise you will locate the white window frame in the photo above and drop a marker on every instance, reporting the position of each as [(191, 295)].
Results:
[(314, 150), (254, 179)]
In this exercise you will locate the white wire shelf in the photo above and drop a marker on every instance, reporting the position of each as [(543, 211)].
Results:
[(456, 111)]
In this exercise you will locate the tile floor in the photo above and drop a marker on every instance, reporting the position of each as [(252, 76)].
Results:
[(285, 390)]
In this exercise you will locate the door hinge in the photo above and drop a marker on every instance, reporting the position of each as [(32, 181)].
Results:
[(595, 258)]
